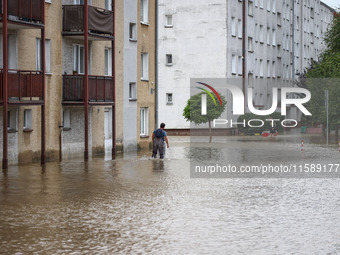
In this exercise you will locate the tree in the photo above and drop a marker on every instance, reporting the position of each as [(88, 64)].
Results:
[(314, 80), (192, 111)]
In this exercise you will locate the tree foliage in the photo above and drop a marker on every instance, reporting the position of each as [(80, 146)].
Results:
[(324, 75), (192, 111)]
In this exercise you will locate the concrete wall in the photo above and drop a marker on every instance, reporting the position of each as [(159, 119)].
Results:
[(73, 140), (198, 44), (145, 98), (130, 75)]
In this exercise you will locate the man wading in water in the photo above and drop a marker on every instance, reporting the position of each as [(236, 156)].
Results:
[(158, 138)]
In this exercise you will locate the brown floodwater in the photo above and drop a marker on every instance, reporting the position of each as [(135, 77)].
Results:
[(134, 205)]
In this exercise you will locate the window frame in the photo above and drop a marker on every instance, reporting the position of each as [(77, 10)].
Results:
[(144, 122), (144, 66)]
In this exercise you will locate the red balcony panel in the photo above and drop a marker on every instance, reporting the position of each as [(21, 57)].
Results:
[(100, 88), (25, 10), (23, 84), (73, 88), (100, 21)]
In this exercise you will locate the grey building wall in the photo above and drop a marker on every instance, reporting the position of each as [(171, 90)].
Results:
[(73, 140), (12, 136), (130, 75)]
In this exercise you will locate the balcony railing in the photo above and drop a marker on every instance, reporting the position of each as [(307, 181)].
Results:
[(24, 10), (23, 85), (100, 88), (100, 21)]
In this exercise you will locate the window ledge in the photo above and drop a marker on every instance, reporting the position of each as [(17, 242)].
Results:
[(145, 79), (144, 136), (132, 40), (28, 130), (169, 103), (145, 23), (168, 26), (11, 130), (169, 64), (133, 99), (66, 129), (48, 73)]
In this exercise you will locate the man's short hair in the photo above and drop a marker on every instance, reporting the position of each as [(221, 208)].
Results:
[(162, 125)]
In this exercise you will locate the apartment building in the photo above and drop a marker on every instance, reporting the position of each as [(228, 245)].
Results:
[(146, 82), (276, 39), (84, 99)]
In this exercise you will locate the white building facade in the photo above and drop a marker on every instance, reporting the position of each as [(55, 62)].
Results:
[(204, 39)]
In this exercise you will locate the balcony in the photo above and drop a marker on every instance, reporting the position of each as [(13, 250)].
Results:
[(29, 12), (100, 89), (23, 86), (100, 22)]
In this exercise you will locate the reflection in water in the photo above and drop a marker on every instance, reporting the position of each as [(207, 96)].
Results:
[(137, 205)]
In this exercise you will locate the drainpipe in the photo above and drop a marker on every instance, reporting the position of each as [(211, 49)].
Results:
[(244, 49), (114, 84), (5, 70), (86, 79), (156, 67), (43, 137), (293, 42)]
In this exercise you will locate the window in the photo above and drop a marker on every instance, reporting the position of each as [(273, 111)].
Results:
[(48, 1), (144, 12), (268, 69), (279, 19), (268, 35), (239, 28), (233, 26), (82, 2), (287, 12), (261, 68), (132, 91), (47, 55), (297, 50), (274, 37), (28, 120), (261, 4), (11, 120), (312, 13), (108, 62), (261, 33), (67, 119), (169, 98), (133, 32), (297, 22), (256, 4), (256, 33), (311, 37), (144, 121), (250, 8), (233, 64), (273, 69), (108, 5), (168, 20), (274, 6), (240, 65), (168, 59), (268, 5), (145, 66), (287, 42), (78, 58), (250, 44)]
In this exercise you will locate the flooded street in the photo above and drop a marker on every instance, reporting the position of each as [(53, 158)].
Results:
[(134, 205)]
